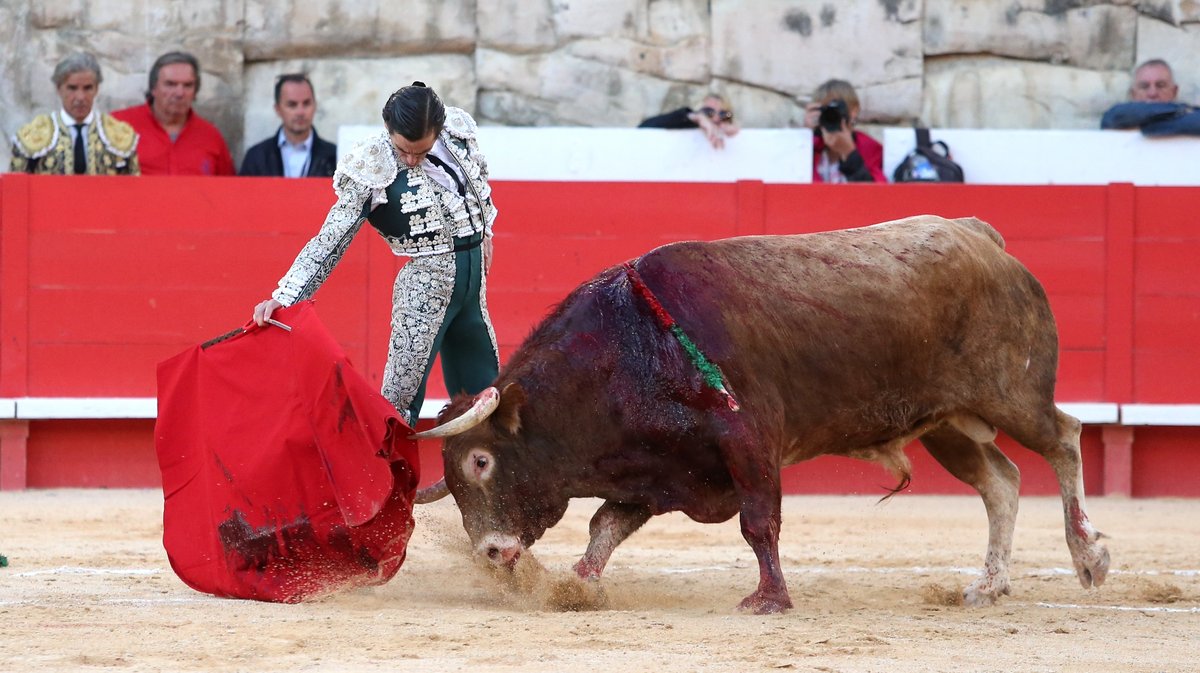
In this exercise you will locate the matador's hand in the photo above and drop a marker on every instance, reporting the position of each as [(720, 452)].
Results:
[(487, 254), (263, 310)]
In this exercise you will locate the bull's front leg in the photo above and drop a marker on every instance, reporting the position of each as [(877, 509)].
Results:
[(755, 474), (610, 525), (760, 521)]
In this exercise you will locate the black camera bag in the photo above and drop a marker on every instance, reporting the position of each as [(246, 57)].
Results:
[(928, 162)]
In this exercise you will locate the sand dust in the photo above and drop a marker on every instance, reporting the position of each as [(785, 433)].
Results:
[(875, 587)]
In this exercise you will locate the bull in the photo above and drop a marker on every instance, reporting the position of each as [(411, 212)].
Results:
[(687, 378)]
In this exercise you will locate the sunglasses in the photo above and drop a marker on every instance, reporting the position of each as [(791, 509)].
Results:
[(713, 113)]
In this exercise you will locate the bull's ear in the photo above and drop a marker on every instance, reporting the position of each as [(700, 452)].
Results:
[(507, 416)]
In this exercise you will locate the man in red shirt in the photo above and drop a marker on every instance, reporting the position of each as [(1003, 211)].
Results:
[(174, 139)]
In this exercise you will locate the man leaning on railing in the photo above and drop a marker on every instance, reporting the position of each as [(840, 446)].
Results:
[(1152, 105)]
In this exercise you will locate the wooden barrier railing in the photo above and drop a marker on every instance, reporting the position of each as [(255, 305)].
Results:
[(101, 278)]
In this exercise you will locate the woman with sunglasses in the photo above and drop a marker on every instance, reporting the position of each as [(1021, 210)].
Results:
[(715, 118)]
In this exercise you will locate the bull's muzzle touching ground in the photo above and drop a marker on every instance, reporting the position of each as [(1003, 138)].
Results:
[(500, 550)]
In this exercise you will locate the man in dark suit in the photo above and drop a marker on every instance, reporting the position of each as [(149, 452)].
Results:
[(295, 151)]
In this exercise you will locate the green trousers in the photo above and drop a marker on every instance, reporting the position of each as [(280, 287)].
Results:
[(440, 306)]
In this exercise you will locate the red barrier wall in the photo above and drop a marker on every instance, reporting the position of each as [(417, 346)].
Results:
[(101, 278)]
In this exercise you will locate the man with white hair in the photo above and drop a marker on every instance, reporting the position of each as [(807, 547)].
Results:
[(77, 139), (1153, 82), (1153, 107)]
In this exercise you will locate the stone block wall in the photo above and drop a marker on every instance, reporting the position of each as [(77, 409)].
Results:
[(945, 63)]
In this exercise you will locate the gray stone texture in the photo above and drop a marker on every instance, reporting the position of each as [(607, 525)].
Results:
[(945, 63), (349, 91)]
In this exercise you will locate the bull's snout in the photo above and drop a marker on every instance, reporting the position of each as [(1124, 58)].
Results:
[(500, 549)]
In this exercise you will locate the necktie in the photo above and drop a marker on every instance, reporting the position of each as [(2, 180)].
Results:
[(462, 191), (80, 159)]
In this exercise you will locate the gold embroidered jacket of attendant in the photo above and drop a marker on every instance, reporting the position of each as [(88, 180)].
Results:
[(45, 146)]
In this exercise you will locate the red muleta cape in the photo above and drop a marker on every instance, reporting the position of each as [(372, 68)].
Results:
[(285, 473)]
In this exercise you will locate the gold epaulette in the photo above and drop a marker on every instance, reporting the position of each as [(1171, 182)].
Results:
[(35, 139), (117, 136)]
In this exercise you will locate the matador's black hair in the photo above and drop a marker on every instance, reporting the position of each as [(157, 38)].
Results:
[(414, 112)]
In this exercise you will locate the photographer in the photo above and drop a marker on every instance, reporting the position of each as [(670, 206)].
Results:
[(841, 154), (714, 118)]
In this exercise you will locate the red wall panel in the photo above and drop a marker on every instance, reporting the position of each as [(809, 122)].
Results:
[(139, 276), (92, 454), (1080, 376), (1166, 462), (1168, 212), (94, 297)]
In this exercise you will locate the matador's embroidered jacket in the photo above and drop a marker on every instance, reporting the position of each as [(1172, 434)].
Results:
[(412, 211), (44, 146)]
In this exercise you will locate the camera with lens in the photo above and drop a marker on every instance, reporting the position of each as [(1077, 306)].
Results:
[(833, 114)]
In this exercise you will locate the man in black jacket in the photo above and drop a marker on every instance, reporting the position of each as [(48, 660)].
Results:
[(295, 151)]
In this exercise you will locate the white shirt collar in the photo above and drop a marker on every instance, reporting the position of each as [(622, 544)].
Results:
[(69, 121), (282, 140), (436, 172)]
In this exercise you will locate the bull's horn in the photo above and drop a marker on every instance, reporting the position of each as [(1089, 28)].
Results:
[(485, 403), (431, 493)]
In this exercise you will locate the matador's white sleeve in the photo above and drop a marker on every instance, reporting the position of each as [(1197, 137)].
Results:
[(363, 175)]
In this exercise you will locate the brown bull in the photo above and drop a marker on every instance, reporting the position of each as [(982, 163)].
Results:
[(687, 379)]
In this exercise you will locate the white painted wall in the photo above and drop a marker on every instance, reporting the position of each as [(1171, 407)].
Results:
[(988, 156), (633, 155), (1053, 157)]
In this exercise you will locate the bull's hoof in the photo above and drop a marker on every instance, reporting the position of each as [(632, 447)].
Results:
[(574, 594), (984, 592), (761, 604), (587, 571), (1091, 565)]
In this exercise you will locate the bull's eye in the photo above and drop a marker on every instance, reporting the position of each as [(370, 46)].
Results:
[(478, 466)]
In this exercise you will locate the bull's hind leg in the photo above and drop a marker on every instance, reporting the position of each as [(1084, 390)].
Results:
[(610, 525), (1089, 556), (992, 474)]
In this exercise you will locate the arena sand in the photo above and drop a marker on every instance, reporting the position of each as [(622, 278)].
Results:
[(875, 588)]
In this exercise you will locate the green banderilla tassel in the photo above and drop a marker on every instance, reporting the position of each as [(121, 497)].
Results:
[(708, 371)]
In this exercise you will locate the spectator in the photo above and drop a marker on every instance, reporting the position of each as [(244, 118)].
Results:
[(423, 184), (78, 139), (1152, 107), (174, 139), (295, 151), (715, 118), (841, 154), (1153, 82)]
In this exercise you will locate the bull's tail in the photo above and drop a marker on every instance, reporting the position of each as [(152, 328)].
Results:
[(982, 227)]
